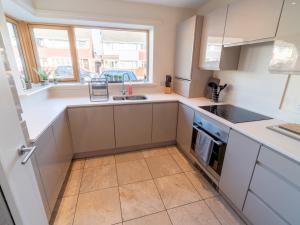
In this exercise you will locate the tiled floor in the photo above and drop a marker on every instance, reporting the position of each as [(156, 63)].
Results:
[(151, 187)]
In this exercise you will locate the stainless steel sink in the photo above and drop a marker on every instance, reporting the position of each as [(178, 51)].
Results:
[(136, 97), (130, 98), (118, 98)]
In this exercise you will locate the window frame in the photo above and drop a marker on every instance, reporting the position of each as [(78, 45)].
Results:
[(22, 50), (73, 51), (122, 29)]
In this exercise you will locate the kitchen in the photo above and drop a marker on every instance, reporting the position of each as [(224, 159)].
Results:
[(186, 113)]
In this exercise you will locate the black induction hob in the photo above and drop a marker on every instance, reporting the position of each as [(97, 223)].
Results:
[(234, 114)]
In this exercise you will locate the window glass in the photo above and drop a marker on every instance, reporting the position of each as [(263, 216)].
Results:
[(112, 53), (18, 53), (54, 54)]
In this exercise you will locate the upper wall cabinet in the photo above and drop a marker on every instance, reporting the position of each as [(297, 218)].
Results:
[(252, 21), (286, 50), (213, 56)]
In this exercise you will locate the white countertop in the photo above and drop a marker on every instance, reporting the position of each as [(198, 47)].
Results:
[(40, 116)]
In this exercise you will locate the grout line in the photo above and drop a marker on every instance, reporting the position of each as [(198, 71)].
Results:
[(212, 212), (120, 205), (145, 215), (78, 195)]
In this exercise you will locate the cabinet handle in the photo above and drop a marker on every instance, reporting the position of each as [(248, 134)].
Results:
[(29, 150)]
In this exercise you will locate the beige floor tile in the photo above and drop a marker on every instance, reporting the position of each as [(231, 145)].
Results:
[(176, 190), (78, 164), (173, 150), (204, 188), (99, 161), (73, 183), (66, 211), (130, 156), (184, 164), (193, 214), (160, 218), (133, 171), (155, 152), (139, 199), (223, 211), (98, 208), (98, 178), (162, 166)]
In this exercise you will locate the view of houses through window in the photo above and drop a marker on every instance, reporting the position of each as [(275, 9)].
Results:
[(112, 53), (18, 53)]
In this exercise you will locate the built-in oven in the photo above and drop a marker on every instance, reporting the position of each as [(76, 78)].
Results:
[(209, 143)]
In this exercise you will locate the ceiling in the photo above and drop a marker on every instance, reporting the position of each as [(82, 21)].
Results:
[(194, 4)]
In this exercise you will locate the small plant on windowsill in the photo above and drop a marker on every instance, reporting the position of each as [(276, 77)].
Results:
[(44, 76), (27, 83)]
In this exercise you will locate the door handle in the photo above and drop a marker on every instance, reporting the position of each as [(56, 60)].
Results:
[(28, 151)]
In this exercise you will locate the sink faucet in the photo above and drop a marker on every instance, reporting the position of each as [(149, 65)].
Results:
[(123, 90)]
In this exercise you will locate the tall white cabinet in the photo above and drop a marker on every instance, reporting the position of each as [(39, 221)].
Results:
[(190, 80)]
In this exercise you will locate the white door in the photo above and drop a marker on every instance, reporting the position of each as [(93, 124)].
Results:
[(17, 180)]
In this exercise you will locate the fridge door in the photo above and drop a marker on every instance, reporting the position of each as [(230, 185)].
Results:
[(5, 216)]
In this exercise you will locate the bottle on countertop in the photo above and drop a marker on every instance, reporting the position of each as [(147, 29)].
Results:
[(168, 84), (129, 88)]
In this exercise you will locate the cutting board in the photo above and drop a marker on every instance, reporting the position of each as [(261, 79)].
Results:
[(292, 127)]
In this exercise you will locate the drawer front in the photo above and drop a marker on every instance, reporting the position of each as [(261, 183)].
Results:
[(282, 196), (260, 214), (281, 165)]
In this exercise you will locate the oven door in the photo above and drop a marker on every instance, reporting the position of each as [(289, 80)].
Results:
[(208, 150)]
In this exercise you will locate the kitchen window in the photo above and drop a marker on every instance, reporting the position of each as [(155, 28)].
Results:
[(18, 52), (112, 53), (54, 51)]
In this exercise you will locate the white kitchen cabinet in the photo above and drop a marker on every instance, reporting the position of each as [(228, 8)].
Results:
[(252, 21), (239, 162), (279, 194), (92, 128), (260, 214), (63, 141), (190, 81), (213, 56), (49, 166), (185, 128), (133, 125), (286, 49), (164, 122)]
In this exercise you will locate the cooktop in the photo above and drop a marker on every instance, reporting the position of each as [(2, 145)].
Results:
[(234, 114)]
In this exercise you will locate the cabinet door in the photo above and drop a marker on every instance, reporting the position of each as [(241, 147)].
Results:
[(185, 128), (133, 124), (47, 158), (92, 128), (185, 37), (212, 39), (239, 162), (252, 20), (164, 122), (260, 214), (287, 45), (63, 142)]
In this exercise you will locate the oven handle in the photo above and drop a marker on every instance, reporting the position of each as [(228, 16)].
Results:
[(219, 143)]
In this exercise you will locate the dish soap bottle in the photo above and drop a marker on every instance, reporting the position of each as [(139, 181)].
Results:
[(129, 88)]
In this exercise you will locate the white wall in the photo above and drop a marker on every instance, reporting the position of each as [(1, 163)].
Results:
[(163, 19), (254, 88)]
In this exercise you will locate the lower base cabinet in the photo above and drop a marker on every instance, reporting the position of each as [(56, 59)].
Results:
[(133, 124), (185, 128), (260, 214), (51, 161), (164, 122), (238, 167)]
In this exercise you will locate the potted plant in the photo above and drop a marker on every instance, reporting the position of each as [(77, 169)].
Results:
[(44, 76), (27, 83)]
